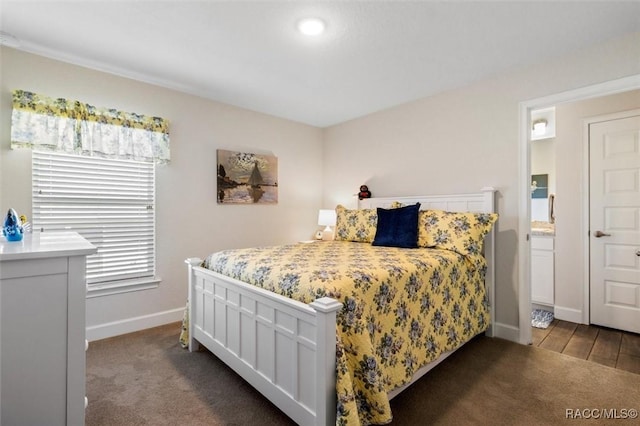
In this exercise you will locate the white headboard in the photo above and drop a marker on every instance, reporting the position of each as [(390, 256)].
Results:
[(477, 202)]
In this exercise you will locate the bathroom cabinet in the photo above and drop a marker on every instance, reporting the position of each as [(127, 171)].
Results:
[(542, 270), (42, 326)]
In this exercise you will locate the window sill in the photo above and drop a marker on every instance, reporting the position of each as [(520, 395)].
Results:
[(118, 287)]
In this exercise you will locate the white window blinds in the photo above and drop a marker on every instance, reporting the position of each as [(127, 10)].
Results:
[(109, 202)]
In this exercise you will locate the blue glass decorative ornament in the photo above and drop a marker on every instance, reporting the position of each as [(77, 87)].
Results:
[(12, 227)]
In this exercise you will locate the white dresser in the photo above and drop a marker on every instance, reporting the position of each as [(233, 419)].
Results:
[(42, 329)]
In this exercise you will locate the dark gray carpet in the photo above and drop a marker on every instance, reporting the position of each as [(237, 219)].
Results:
[(146, 378)]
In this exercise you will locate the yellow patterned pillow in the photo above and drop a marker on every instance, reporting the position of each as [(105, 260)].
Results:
[(356, 225), (461, 232)]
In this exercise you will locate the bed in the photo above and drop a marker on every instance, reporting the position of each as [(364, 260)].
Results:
[(317, 351)]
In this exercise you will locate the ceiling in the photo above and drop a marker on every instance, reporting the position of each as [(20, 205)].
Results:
[(373, 55)]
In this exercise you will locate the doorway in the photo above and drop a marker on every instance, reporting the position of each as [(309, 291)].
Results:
[(581, 314), (543, 189)]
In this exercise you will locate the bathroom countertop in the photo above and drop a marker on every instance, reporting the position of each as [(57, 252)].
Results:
[(544, 229)]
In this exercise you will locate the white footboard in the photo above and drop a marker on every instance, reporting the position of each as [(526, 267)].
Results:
[(283, 348)]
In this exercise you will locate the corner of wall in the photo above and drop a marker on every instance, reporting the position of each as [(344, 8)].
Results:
[(507, 332)]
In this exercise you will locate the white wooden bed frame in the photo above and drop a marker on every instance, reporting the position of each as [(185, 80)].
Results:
[(284, 348)]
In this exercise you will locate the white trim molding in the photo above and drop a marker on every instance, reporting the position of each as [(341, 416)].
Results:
[(568, 314), (130, 325), (117, 287), (506, 331), (620, 85)]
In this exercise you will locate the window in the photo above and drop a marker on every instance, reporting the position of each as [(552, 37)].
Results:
[(94, 174), (111, 203)]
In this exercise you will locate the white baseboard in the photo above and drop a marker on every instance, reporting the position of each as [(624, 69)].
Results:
[(507, 332), (129, 325), (567, 314)]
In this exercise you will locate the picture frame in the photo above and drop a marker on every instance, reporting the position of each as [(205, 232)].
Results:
[(540, 186), (246, 178)]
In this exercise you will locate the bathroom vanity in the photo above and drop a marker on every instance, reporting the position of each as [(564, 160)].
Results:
[(542, 263)]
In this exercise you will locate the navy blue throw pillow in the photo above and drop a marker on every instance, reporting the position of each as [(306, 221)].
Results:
[(397, 227)]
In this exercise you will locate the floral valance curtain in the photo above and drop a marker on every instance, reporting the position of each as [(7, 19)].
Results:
[(74, 127)]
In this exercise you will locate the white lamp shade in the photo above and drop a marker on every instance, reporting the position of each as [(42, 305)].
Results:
[(327, 217)]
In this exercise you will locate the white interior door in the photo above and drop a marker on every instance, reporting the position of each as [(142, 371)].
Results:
[(614, 198)]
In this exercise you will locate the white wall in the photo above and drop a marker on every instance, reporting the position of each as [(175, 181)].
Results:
[(463, 140), (456, 141), (189, 221)]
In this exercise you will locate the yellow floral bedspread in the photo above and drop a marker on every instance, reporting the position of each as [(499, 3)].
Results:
[(402, 308)]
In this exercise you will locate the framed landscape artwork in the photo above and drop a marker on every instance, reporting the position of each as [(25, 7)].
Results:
[(246, 178)]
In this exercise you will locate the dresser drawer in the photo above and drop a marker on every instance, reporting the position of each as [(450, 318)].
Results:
[(34, 267)]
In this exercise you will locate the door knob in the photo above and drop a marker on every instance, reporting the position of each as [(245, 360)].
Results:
[(637, 252), (599, 234)]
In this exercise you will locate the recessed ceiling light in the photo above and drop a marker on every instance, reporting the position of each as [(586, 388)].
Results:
[(311, 26)]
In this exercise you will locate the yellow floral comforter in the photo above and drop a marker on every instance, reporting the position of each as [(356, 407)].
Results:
[(401, 308)]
